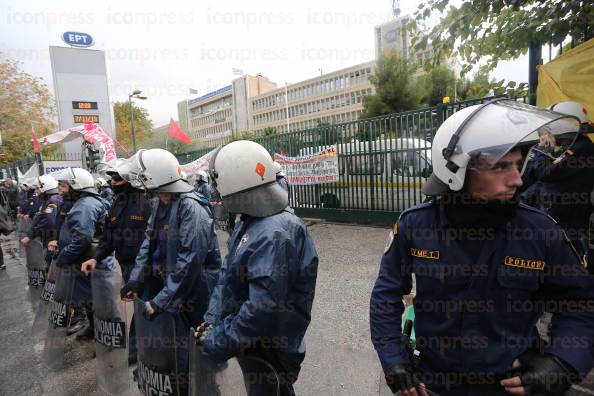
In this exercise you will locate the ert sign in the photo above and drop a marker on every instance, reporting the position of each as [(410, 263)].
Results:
[(77, 39)]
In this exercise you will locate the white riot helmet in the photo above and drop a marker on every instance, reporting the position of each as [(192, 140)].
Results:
[(571, 108), (158, 170), (101, 182), (79, 179), (492, 129), (278, 169), (47, 184), (202, 175), (243, 172)]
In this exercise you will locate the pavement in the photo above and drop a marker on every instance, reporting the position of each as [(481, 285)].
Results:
[(340, 359)]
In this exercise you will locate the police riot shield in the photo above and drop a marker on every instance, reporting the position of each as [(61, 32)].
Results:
[(59, 318), (242, 376), (111, 329), (36, 265), (22, 227), (159, 354), (40, 323)]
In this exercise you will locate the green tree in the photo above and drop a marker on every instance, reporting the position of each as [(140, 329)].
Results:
[(25, 101), (268, 131), (439, 82), (489, 31), (142, 124), (396, 85)]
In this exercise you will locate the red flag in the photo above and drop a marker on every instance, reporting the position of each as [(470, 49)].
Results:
[(176, 132), (35, 141)]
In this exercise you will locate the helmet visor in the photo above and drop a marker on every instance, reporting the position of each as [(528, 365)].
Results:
[(506, 125), (130, 169)]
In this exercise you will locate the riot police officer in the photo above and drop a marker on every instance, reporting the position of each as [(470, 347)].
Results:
[(82, 224), (262, 304), (562, 187), (123, 233), (485, 269), (202, 186), (44, 223), (176, 267)]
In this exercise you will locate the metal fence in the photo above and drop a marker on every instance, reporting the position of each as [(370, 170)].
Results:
[(24, 164), (383, 163)]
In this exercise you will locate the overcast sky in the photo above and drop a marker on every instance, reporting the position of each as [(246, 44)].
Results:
[(165, 47)]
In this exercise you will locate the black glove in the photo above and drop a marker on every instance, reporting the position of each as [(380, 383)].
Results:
[(545, 374), (131, 286), (150, 310), (400, 377)]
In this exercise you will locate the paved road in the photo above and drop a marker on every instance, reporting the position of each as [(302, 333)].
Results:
[(339, 361)]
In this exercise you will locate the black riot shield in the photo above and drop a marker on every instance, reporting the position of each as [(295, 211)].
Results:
[(162, 353), (59, 318), (40, 323), (111, 329), (241, 376), (36, 265)]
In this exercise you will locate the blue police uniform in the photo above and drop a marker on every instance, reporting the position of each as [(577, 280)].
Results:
[(32, 205), (205, 189), (44, 222), (63, 210), (75, 239), (177, 265), (190, 257), (565, 188), (473, 317), (283, 182), (124, 229), (265, 292), (107, 195)]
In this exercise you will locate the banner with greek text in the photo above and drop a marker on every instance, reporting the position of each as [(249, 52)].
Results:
[(316, 168)]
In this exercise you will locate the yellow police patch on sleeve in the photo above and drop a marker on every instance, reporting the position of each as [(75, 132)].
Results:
[(426, 254)]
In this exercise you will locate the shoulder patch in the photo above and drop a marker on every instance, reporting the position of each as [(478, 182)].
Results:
[(390, 240)]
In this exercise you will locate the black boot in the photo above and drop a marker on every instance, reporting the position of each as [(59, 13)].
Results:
[(87, 332), (78, 321)]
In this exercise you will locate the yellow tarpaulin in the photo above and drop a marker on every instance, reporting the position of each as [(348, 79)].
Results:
[(568, 77)]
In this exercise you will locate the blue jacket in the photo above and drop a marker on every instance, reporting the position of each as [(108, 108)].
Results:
[(32, 205), (266, 290), (44, 222), (564, 189), (124, 229), (193, 259), (283, 183), (491, 307), (205, 189), (63, 210), (107, 196), (76, 237)]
